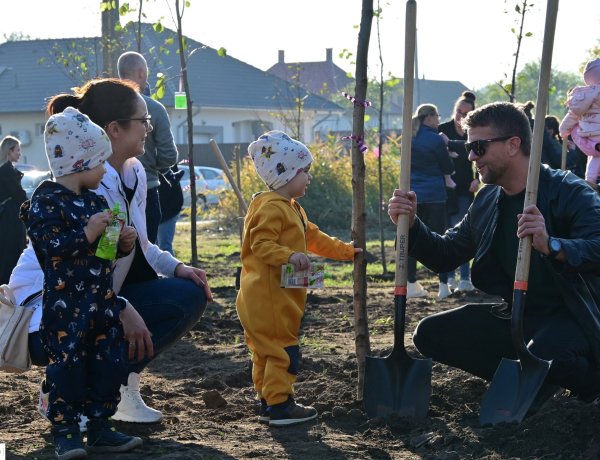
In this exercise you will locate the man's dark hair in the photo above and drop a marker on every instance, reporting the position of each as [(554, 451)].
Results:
[(503, 117)]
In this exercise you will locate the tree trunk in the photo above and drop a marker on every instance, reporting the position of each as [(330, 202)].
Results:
[(361, 329), (381, 206), (179, 9), (513, 82), (110, 41)]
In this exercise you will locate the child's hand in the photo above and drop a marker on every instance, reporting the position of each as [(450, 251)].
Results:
[(300, 261), (96, 225), (127, 238), (356, 250)]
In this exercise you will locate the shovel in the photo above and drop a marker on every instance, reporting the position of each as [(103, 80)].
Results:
[(399, 384), (516, 383)]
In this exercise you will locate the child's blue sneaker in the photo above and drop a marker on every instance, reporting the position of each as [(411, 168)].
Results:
[(67, 442), (290, 413), (103, 437)]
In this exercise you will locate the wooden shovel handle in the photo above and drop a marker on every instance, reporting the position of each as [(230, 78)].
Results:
[(409, 71), (523, 257)]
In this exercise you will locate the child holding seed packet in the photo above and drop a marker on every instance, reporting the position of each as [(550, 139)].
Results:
[(277, 232)]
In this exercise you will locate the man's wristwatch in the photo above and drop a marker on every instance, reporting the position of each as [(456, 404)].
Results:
[(554, 246)]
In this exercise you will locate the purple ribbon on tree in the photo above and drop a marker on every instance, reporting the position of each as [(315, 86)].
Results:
[(357, 102), (359, 141)]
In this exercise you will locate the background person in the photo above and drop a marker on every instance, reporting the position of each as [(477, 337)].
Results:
[(428, 163), (171, 203), (460, 197), (561, 319), (166, 307), (582, 120), (160, 152), (12, 196)]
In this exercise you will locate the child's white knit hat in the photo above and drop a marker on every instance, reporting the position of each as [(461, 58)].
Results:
[(74, 143), (278, 158)]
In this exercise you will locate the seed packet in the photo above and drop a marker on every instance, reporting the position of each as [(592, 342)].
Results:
[(312, 278)]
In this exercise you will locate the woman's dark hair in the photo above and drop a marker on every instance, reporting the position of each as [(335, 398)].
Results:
[(468, 97), (527, 107), (551, 122), (103, 100)]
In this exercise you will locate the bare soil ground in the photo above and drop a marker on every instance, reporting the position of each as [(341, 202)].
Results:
[(203, 387)]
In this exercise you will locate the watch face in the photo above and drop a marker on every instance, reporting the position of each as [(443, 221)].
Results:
[(555, 245)]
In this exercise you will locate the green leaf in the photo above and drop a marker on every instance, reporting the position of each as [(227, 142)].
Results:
[(158, 27), (118, 27), (169, 41), (528, 34), (187, 4), (518, 8), (160, 92), (222, 52), (367, 118)]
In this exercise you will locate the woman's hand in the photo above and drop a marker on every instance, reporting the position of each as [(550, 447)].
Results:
[(197, 275), (136, 333)]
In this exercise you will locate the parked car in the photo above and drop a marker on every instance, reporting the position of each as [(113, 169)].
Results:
[(26, 167), (201, 187), (213, 179), (32, 178)]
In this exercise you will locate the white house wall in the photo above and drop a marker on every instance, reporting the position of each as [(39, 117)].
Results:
[(228, 125)]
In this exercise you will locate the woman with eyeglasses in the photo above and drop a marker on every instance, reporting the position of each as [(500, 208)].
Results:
[(429, 163), (168, 297), (461, 196)]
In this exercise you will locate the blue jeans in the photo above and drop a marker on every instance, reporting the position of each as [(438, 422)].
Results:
[(463, 203), (170, 307), (166, 233), (153, 214)]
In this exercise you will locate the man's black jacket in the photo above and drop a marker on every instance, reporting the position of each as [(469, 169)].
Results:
[(571, 210)]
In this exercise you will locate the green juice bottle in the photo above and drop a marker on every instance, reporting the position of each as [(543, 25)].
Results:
[(109, 241)]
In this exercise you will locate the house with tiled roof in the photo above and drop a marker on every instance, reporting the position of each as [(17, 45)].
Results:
[(233, 102), (327, 79)]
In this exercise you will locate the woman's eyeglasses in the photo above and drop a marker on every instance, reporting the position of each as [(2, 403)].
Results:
[(145, 120), (478, 147)]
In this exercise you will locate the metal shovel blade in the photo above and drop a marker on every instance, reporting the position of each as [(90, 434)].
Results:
[(397, 384), (512, 391)]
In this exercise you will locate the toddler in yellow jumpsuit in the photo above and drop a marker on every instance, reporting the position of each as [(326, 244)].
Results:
[(277, 232)]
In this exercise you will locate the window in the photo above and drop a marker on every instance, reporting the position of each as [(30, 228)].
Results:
[(39, 129)]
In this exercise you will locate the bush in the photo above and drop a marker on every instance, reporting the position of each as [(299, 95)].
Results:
[(328, 201)]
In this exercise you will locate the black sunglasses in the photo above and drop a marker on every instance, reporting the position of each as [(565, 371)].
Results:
[(478, 147)]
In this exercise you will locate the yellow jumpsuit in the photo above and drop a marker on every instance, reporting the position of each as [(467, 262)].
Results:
[(274, 228)]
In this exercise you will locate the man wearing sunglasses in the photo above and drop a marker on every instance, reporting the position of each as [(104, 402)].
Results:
[(562, 320)]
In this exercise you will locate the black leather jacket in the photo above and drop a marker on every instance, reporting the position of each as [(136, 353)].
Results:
[(571, 210)]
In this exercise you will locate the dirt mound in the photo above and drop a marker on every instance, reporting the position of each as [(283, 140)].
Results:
[(203, 387)]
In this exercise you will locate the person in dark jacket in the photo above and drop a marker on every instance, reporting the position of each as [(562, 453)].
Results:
[(460, 197), (562, 320), (429, 162), (171, 202), (12, 195)]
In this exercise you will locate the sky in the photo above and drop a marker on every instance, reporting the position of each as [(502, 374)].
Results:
[(465, 40)]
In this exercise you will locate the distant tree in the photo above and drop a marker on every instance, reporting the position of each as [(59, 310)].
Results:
[(16, 37), (527, 80)]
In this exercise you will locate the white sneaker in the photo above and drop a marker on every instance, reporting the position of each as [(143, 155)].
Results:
[(452, 283), (132, 407), (444, 291), (415, 290), (43, 408), (465, 286)]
